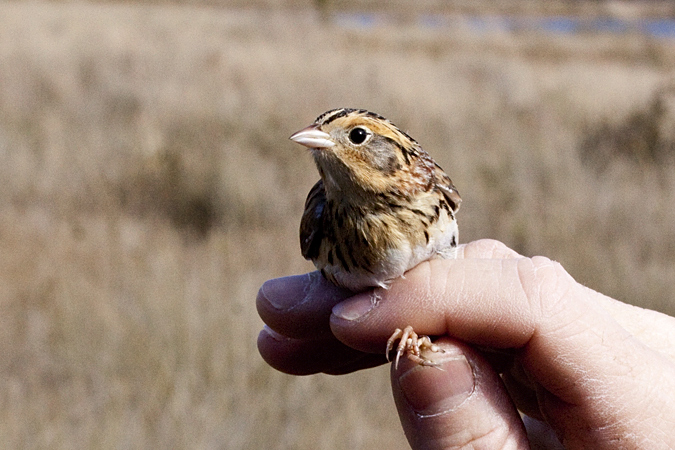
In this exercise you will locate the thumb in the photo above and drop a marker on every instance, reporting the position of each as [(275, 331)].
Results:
[(461, 403)]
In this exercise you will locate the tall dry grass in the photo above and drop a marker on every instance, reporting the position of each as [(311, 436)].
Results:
[(147, 189)]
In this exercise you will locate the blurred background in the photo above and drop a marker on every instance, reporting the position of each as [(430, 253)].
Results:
[(148, 188)]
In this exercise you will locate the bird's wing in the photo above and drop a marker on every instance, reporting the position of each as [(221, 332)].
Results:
[(311, 225), (444, 184)]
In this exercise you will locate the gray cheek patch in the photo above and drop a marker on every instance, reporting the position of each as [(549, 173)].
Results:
[(382, 154)]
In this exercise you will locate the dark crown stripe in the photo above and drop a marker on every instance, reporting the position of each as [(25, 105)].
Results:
[(328, 117), (333, 114), (326, 114)]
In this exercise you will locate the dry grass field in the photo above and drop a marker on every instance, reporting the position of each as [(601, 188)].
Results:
[(148, 188)]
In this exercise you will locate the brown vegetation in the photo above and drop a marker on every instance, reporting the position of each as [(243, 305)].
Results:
[(148, 188)]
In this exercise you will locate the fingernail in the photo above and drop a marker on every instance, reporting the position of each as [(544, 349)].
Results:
[(282, 293), (431, 392), (355, 307), (272, 334)]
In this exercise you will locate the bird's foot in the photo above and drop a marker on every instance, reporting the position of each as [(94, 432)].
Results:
[(412, 345)]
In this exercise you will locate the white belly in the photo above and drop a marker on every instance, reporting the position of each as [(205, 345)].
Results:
[(443, 237)]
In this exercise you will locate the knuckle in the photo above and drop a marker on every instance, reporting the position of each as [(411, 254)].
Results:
[(545, 284), (485, 248)]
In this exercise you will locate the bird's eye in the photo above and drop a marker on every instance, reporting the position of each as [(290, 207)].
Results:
[(358, 135)]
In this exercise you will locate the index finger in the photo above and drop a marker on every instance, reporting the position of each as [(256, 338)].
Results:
[(300, 306)]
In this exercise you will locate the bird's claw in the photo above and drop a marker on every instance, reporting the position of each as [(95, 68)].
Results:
[(412, 346)]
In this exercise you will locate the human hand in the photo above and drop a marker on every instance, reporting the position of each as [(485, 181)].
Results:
[(598, 372)]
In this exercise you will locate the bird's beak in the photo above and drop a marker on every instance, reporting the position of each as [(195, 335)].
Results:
[(313, 138)]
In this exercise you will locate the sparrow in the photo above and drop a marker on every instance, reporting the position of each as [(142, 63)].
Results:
[(381, 207)]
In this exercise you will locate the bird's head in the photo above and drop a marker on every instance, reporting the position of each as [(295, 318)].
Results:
[(359, 153)]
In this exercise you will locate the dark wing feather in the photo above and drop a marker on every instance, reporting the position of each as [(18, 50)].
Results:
[(311, 226)]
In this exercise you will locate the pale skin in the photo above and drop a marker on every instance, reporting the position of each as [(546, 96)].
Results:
[(589, 371)]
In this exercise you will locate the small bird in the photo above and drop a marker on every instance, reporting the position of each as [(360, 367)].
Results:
[(381, 207)]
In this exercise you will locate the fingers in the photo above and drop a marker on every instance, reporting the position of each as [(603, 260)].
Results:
[(297, 309), (575, 355), (459, 404), (476, 300), (297, 339), (309, 356), (599, 371), (299, 306)]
